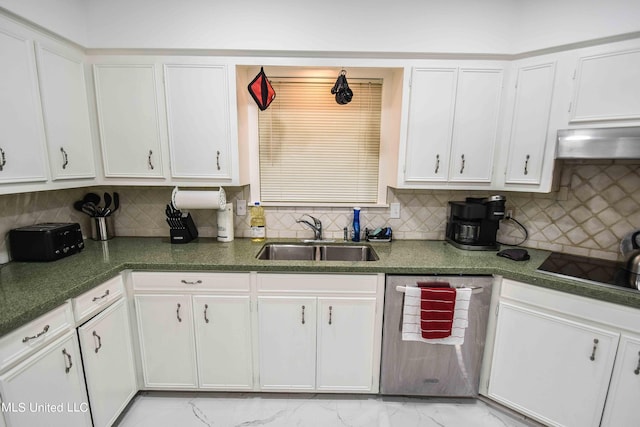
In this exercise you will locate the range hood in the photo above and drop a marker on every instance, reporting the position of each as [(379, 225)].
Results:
[(599, 143)]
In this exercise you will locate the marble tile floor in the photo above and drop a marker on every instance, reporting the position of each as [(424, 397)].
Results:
[(187, 409)]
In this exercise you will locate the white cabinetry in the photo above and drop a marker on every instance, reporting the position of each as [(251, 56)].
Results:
[(198, 113), (66, 112), (530, 122), (452, 126), (107, 356), (127, 106), (554, 355), (194, 330), (319, 332), (607, 85), (22, 149)]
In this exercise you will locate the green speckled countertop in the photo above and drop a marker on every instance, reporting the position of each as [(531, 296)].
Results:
[(28, 290)]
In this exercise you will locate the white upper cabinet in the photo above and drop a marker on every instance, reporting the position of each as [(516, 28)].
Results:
[(198, 113), (22, 150), (452, 126), (66, 113), (607, 86), (127, 106), (530, 122)]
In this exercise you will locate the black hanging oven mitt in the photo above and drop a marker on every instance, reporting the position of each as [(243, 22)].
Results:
[(261, 90), (341, 89)]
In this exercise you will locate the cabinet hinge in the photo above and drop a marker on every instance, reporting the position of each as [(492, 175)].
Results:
[(570, 105)]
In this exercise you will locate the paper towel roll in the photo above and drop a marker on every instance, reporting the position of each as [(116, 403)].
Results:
[(198, 199)]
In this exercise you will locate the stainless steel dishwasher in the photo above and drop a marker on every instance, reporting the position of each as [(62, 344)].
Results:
[(423, 369)]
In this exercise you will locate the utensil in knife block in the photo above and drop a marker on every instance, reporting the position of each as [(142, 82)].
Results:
[(183, 230)]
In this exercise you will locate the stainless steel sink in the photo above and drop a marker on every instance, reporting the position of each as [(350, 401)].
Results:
[(317, 252)]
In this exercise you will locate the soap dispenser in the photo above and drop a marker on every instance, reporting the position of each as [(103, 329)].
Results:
[(356, 224)]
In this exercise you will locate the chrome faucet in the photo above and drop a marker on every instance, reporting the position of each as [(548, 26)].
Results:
[(316, 226)]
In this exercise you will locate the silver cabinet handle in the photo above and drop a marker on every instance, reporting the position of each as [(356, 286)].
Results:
[(106, 294), (38, 335), (637, 371), (149, 160), (3, 159), (95, 334), (178, 313), (206, 319), (462, 164), (65, 158), (67, 357), (595, 347), (526, 164), (197, 282), (303, 314), (218, 159), (330, 314), (437, 163)]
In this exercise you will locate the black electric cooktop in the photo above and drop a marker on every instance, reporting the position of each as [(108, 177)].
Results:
[(592, 270)]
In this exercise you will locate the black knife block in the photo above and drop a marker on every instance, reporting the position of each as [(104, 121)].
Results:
[(186, 233)]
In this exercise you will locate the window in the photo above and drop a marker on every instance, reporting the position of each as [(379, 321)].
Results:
[(314, 150)]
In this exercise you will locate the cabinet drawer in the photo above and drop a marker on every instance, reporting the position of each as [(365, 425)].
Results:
[(34, 335), (98, 298), (314, 283), (185, 281)]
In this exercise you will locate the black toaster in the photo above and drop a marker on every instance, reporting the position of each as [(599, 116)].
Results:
[(45, 242)]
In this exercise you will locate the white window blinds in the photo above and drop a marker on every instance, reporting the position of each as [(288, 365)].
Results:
[(314, 150)]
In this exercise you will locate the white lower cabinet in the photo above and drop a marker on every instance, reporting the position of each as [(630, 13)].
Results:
[(287, 331), (624, 392), (107, 356), (223, 341), (565, 360), (552, 368), (319, 332), (167, 344), (47, 389), (196, 334)]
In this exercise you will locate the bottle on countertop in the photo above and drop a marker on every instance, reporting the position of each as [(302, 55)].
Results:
[(258, 223), (356, 224), (225, 223)]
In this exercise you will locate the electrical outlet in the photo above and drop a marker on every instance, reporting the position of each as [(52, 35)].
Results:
[(509, 213), (394, 210), (241, 208)]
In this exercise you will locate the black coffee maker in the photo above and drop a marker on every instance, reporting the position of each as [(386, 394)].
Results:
[(473, 224)]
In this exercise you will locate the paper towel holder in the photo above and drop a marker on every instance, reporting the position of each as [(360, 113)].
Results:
[(221, 197)]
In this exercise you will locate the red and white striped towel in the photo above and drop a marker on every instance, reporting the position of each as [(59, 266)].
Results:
[(411, 317)]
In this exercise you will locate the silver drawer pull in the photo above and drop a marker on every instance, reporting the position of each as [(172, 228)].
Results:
[(197, 282), (206, 319), (67, 356), (178, 313), (526, 164), (595, 347), (149, 160), (106, 294), (95, 334), (462, 164), (437, 163), (637, 371), (303, 314), (218, 159), (3, 160), (38, 335), (330, 314)]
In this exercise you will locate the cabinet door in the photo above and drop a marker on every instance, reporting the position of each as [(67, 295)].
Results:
[(532, 109), (199, 127), (66, 114), (128, 119), (22, 151), (551, 368), (287, 335), (475, 126), (167, 345), (345, 343), (607, 87), (624, 391), (107, 355), (223, 341), (48, 388), (430, 124)]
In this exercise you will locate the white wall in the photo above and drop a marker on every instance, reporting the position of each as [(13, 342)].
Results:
[(423, 26), (67, 18)]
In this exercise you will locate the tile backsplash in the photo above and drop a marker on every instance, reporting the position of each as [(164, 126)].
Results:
[(596, 204)]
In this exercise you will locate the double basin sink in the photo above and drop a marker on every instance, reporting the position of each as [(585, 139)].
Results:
[(317, 252)]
